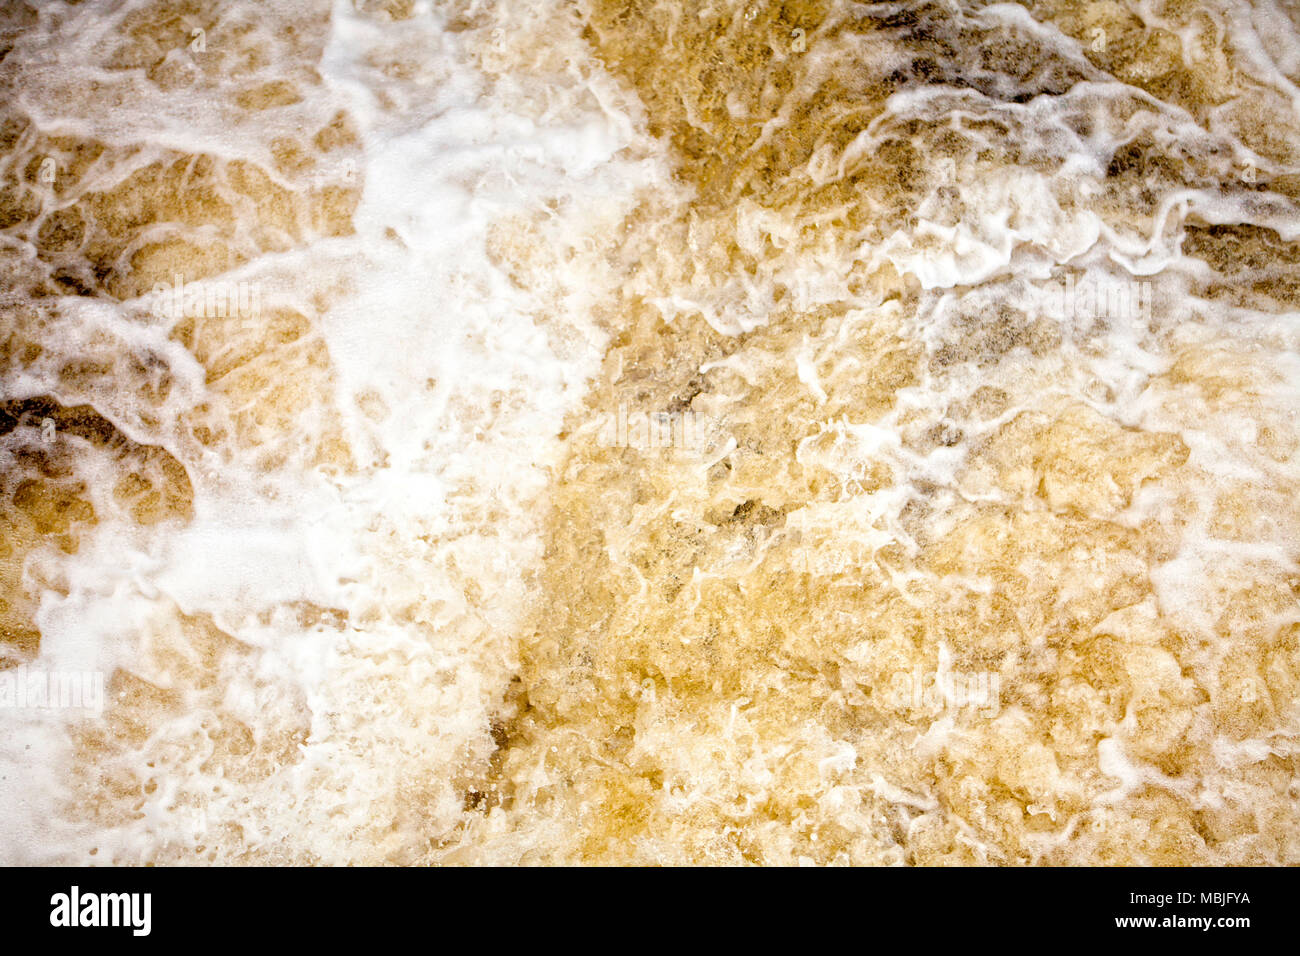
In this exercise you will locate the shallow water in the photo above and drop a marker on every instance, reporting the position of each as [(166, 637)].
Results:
[(538, 432)]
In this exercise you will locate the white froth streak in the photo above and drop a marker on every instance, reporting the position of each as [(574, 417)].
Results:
[(439, 169)]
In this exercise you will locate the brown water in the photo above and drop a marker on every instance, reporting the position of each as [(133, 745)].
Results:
[(652, 432)]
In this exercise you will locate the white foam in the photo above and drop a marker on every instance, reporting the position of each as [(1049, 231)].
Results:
[(472, 376)]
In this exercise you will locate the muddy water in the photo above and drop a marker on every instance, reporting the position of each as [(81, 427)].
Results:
[(651, 433)]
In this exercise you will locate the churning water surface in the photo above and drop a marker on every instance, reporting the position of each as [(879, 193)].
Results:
[(650, 431)]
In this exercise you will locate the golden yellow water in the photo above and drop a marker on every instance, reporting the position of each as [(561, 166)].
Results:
[(902, 471)]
